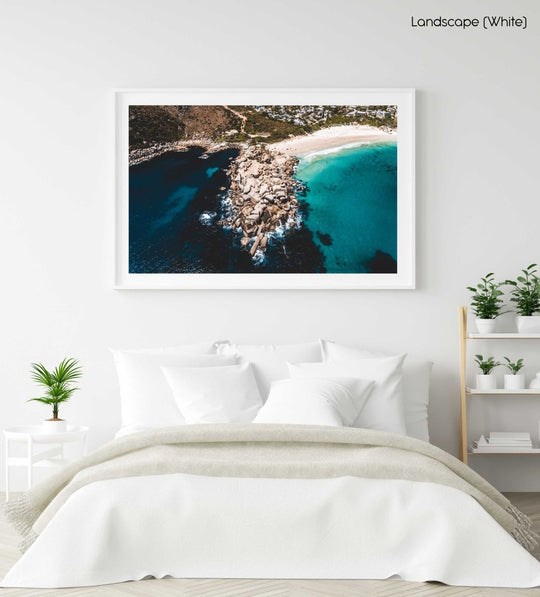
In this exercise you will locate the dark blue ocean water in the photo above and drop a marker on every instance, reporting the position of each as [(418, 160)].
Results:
[(349, 213), (167, 196)]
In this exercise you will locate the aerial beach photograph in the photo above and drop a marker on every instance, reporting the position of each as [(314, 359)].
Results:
[(263, 189)]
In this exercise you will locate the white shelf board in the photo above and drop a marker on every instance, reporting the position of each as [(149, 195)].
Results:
[(505, 451), (504, 336), (502, 392)]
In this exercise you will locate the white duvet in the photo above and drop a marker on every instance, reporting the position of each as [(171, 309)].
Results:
[(185, 526)]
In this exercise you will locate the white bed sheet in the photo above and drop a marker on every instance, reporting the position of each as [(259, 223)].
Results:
[(195, 526)]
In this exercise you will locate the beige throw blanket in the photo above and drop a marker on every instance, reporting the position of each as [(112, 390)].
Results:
[(277, 451)]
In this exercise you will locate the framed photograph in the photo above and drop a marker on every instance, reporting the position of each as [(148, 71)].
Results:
[(262, 188)]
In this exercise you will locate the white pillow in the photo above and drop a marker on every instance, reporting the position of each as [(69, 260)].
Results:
[(220, 395), (189, 349), (416, 381), (146, 399), (384, 407), (270, 360), (316, 401)]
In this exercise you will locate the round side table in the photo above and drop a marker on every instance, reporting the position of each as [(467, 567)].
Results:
[(32, 436)]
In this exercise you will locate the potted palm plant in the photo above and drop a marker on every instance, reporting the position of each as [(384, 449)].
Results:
[(526, 296), (58, 388), (486, 303), (486, 380)]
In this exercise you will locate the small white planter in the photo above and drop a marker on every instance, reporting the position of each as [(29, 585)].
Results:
[(52, 426), (486, 326), (528, 324), (535, 382), (514, 382), (486, 382)]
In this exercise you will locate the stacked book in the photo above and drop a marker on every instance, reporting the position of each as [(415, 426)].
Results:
[(504, 441)]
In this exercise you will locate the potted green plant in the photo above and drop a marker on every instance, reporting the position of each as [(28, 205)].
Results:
[(525, 295), (486, 380), (514, 380), (58, 388), (486, 303)]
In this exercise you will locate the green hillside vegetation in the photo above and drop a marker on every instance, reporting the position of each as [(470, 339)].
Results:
[(261, 127), (151, 125)]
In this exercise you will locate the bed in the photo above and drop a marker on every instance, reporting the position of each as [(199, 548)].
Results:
[(300, 461)]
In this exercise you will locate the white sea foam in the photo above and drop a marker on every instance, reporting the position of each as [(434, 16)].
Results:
[(294, 222), (207, 217), (259, 257), (226, 206), (279, 232), (314, 154)]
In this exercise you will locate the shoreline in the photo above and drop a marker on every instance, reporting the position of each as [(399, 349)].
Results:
[(140, 155), (332, 138)]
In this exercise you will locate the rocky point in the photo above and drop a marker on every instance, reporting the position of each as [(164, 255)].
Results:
[(262, 194)]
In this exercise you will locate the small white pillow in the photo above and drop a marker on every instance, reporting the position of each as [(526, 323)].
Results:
[(218, 395), (416, 382), (315, 401), (269, 361), (146, 399), (384, 407)]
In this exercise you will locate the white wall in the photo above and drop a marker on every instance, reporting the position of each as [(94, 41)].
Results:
[(477, 180)]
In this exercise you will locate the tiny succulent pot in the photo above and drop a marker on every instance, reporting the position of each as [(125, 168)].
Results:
[(54, 426), (514, 382), (486, 326), (528, 324), (486, 382)]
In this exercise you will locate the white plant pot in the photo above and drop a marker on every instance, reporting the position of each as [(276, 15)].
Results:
[(514, 382), (528, 324), (486, 382), (486, 326), (535, 382), (50, 426)]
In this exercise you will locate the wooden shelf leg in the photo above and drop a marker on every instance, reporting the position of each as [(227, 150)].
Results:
[(7, 470), (463, 384)]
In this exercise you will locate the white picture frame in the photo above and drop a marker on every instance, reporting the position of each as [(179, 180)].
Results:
[(403, 99)]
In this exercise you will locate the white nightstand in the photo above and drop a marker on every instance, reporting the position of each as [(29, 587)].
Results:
[(33, 435)]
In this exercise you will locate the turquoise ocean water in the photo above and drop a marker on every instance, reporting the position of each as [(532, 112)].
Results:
[(352, 204)]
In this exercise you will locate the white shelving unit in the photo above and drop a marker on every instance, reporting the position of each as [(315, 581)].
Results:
[(508, 451), (466, 392), (508, 336), (500, 392)]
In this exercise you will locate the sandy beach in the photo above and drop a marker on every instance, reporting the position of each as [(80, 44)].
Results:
[(331, 137)]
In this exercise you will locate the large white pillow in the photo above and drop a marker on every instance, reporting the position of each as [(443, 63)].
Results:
[(270, 360), (383, 409), (220, 395), (416, 382), (315, 401), (146, 399)]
